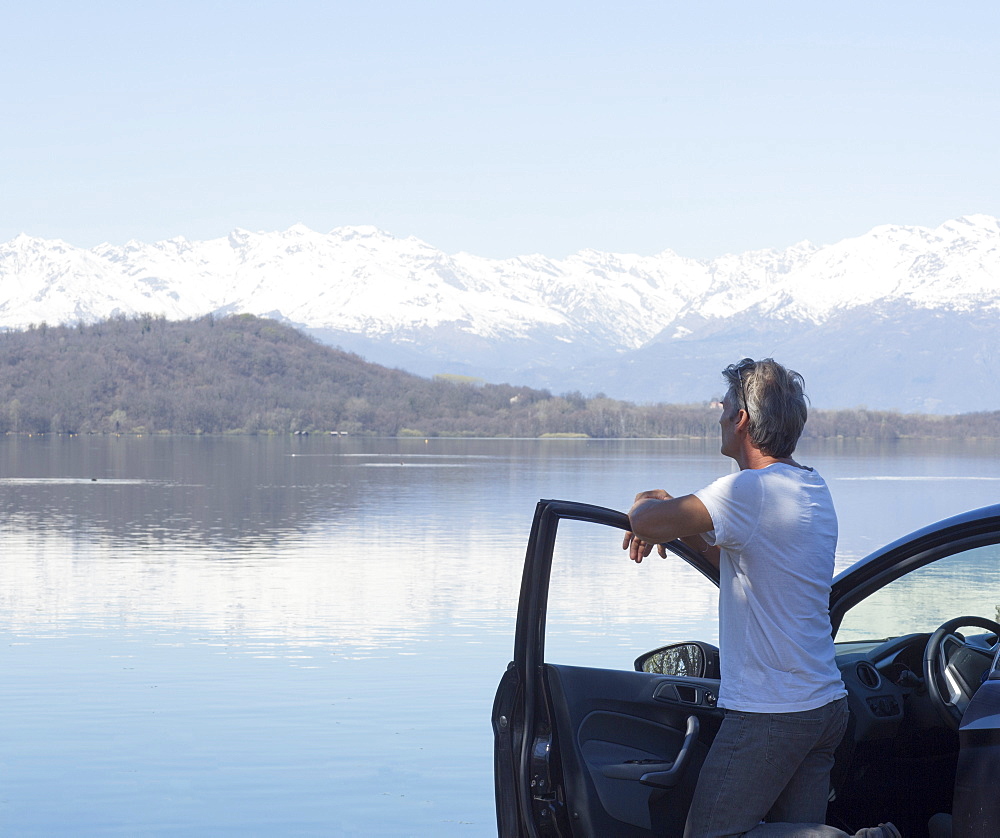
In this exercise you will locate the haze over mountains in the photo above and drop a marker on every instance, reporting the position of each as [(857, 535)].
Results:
[(901, 317)]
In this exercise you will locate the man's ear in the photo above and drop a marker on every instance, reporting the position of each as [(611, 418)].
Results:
[(742, 421)]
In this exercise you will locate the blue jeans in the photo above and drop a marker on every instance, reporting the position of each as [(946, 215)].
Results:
[(772, 767)]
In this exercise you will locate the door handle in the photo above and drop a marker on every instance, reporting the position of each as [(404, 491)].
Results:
[(671, 773), (651, 772)]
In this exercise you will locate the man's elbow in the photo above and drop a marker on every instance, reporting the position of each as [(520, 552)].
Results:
[(650, 522)]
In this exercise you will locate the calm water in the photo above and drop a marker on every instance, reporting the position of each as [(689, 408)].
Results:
[(302, 636)]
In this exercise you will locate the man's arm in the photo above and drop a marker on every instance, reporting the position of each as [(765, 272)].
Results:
[(656, 518)]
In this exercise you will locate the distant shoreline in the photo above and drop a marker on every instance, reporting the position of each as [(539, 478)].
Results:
[(547, 437)]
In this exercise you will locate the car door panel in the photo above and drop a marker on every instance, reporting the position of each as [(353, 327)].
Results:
[(619, 735)]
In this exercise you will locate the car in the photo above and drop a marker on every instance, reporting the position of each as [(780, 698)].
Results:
[(590, 751)]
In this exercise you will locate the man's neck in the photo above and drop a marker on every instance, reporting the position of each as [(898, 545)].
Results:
[(754, 458)]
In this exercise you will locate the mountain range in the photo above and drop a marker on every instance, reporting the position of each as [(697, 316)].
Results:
[(898, 318)]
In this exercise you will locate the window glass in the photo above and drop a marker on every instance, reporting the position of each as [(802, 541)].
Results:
[(964, 584), (605, 610)]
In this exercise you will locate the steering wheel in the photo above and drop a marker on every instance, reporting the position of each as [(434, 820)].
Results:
[(948, 660)]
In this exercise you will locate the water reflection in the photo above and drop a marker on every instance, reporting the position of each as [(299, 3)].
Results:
[(302, 635), (376, 543)]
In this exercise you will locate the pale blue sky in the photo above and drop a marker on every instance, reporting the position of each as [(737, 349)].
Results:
[(499, 128)]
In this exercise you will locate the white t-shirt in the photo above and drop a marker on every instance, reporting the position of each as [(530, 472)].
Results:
[(777, 532)]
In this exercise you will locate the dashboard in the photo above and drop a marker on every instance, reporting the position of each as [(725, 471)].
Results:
[(885, 682)]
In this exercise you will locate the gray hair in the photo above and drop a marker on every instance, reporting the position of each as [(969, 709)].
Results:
[(774, 400)]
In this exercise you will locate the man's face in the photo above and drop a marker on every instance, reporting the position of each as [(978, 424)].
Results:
[(727, 424)]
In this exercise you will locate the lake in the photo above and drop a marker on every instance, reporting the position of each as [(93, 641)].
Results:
[(302, 635)]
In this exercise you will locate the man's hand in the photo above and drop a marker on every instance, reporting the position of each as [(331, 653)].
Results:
[(637, 548), (658, 518)]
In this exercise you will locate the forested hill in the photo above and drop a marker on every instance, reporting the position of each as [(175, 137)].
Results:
[(246, 374), (253, 375)]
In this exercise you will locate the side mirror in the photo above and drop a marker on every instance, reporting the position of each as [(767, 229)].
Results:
[(693, 659)]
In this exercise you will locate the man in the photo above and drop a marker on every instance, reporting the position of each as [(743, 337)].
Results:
[(771, 530)]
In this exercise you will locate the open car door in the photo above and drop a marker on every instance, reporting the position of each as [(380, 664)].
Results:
[(587, 751)]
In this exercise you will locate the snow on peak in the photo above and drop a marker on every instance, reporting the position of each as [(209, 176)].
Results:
[(239, 237), (987, 224), (361, 231), (362, 280)]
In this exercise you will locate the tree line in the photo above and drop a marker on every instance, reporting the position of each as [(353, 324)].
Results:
[(244, 374)]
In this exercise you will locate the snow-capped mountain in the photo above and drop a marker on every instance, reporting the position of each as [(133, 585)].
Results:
[(899, 317)]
